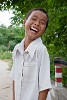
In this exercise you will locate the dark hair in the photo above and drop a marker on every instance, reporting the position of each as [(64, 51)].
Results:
[(40, 9)]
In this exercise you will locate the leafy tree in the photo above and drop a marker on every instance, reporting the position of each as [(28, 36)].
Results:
[(7, 35), (57, 29)]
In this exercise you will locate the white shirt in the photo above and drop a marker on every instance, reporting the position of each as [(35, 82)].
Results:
[(31, 70)]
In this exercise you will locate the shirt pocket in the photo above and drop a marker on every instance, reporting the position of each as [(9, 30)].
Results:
[(29, 72)]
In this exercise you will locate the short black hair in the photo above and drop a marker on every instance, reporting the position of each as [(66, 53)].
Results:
[(40, 9)]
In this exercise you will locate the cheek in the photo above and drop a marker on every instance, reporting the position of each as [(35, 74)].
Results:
[(26, 26), (43, 29)]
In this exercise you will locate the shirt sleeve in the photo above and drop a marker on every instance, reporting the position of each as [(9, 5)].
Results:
[(44, 70), (12, 72)]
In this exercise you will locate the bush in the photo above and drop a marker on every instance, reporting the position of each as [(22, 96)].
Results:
[(3, 48), (5, 55), (11, 45)]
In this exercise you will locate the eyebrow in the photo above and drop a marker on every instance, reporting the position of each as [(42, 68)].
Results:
[(34, 16), (37, 17)]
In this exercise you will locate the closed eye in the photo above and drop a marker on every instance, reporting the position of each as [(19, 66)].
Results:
[(33, 18), (43, 22)]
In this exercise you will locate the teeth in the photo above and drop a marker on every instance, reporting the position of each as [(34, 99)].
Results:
[(34, 29)]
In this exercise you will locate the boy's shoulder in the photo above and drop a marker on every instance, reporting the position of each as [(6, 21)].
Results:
[(41, 47), (17, 47), (39, 44), (42, 50)]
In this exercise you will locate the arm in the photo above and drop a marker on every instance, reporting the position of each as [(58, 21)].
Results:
[(44, 74), (43, 95), (13, 90)]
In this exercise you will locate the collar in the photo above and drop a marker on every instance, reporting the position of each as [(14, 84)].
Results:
[(19, 48), (33, 46), (30, 49)]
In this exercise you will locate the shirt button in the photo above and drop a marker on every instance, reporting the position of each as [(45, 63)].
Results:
[(22, 72)]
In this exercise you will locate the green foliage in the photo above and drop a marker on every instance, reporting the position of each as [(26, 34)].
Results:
[(64, 74), (5, 55), (11, 36), (12, 44), (3, 48)]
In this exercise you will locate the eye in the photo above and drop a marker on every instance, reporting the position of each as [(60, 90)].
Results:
[(33, 18), (43, 22)]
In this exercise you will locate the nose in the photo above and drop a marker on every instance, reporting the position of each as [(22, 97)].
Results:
[(37, 23)]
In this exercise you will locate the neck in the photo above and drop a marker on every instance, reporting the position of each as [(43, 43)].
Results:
[(26, 43)]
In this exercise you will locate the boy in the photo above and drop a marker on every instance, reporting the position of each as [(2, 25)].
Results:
[(31, 64)]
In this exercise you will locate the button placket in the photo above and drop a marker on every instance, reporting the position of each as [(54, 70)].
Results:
[(22, 75), (22, 64), (25, 58)]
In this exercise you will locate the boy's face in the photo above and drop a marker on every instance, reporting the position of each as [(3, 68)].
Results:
[(35, 25)]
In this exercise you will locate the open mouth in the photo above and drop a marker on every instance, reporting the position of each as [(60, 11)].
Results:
[(34, 29)]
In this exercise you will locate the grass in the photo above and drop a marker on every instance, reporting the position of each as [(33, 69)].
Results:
[(7, 56)]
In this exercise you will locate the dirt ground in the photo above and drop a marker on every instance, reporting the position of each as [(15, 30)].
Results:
[(5, 82)]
